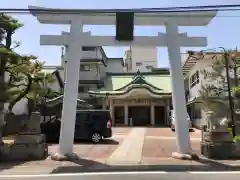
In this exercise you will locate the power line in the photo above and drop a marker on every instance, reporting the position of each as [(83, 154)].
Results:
[(136, 10), (198, 7), (103, 12)]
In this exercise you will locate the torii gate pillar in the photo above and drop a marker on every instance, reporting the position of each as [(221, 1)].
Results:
[(73, 57), (178, 94)]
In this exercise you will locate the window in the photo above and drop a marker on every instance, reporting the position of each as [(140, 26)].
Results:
[(85, 48), (194, 79), (82, 89), (138, 63), (84, 67)]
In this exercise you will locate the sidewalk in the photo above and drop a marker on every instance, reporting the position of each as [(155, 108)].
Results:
[(136, 149)]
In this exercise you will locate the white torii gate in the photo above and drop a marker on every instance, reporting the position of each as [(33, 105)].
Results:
[(76, 38)]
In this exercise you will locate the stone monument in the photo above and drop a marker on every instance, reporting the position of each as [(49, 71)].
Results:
[(28, 144)]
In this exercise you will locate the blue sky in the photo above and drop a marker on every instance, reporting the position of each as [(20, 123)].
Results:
[(222, 31)]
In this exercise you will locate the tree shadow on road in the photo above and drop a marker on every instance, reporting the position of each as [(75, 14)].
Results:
[(220, 164), (5, 164), (103, 142)]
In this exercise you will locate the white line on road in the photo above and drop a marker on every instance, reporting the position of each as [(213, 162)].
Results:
[(113, 173), (214, 172), (170, 138)]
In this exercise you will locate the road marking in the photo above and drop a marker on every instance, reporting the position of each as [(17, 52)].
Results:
[(214, 172), (83, 174), (170, 138), (115, 173)]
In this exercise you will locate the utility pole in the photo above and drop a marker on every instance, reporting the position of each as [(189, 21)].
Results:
[(231, 105), (235, 68)]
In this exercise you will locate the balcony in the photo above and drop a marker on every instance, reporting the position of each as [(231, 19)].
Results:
[(92, 54)]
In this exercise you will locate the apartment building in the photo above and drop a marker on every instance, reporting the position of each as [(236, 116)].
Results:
[(141, 58), (93, 70)]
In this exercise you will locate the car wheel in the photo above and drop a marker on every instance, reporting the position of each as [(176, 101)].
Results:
[(96, 137)]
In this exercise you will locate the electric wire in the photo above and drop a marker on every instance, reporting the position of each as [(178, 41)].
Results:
[(40, 10)]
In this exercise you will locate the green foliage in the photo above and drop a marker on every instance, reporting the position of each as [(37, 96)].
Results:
[(23, 74), (8, 26), (236, 90), (236, 138), (217, 73), (50, 94), (212, 90)]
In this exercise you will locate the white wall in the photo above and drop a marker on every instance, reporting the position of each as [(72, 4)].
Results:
[(96, 54), (114, 65), (102, 71), (93, 74), (55, 85), (146, 55), (184, 57), (203, 64)]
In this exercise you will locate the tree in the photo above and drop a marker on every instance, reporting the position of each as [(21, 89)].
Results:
[(218, 75), (26, 80), (215, 93), (8, 26), (20, 76)]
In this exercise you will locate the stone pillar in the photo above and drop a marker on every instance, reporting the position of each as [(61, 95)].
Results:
[(167, 111), (131, 121), (73, 57), (111, 109), (104, 103), (152, 112), (178, 93), (125, 114)]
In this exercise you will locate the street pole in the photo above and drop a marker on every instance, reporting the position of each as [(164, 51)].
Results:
[(236, 66), (235, 75), (231, 105)]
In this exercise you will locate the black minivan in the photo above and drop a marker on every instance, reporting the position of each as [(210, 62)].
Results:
[(91, 124)]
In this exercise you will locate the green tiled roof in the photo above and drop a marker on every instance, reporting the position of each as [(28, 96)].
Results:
[(158, 83)]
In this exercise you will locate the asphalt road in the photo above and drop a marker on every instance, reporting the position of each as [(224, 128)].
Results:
[(130, 176)]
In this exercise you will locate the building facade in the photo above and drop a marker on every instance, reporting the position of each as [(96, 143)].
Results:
[(93, 69), (103, 83), (194, 79), (141, 58), (137, 99)]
